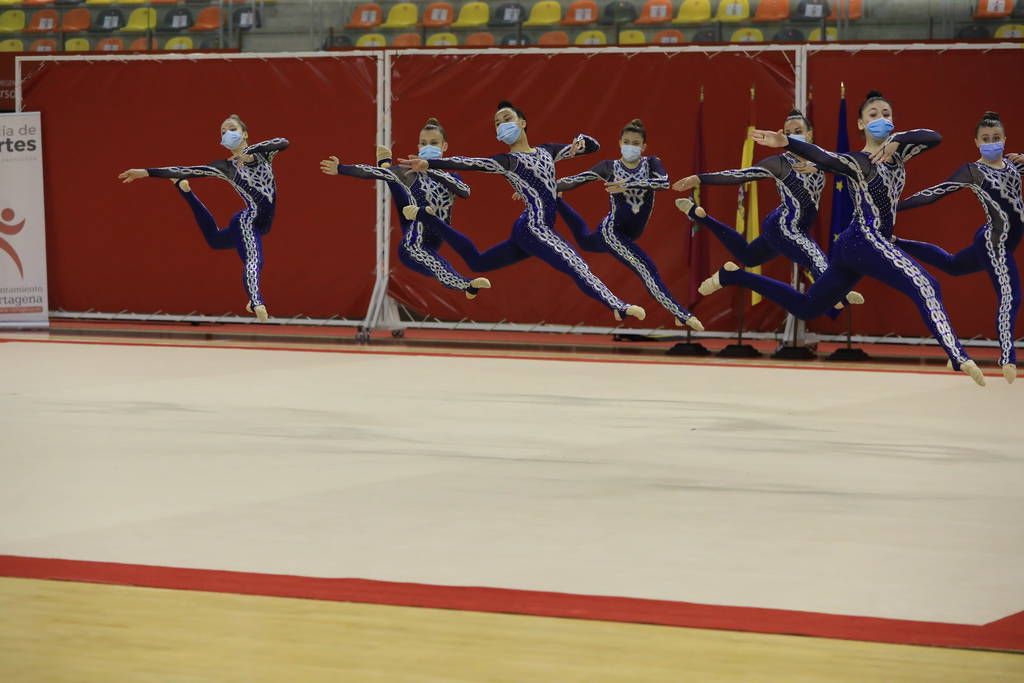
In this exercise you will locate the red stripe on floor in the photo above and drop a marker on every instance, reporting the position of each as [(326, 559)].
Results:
[(1004, 634)]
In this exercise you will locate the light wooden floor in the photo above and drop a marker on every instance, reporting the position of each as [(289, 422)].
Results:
[(80, 633)]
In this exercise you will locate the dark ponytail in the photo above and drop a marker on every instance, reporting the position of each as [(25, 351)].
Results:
[(434, 124), (635, 126), (872, 96), (989, 119), (797, 114)]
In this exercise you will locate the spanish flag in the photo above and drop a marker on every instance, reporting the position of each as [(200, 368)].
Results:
[(748, 220)]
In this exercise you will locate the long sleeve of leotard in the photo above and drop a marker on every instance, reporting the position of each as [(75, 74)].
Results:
[(913, 142), (841, 164), (367, 172), (500, 163), (770, 167), (600, 171), (657, 177), (561, 151), (455, 184), (1018, 164), (216, 169), (268, 147), (960, 179)]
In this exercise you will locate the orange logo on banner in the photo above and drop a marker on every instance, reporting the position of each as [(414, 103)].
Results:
[(8, 227)]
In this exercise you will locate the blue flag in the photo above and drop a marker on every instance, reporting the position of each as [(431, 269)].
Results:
[(842, 204)]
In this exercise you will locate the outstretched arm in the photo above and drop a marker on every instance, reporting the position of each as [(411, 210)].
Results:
[(828, 161), (496, 164), (581, 144), (268, 147), (960, 179), (657, 177), (452, 181), (913, 142), (601, 171), (214, 170), (331, 166)]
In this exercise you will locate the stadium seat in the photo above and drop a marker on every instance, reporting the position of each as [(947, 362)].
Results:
[(1018, 10), (693, 12), (747, 35), (592, 38), (831, 34), (772, 10), (163, 2), (372, 40), (554, 39), (513, 40), (544, 13), (76, 20), (402, 15), (974, 32), (788, 35), (655, 12), (632, 37), (707, 35), (407, 40), (581, 13), (811, 10), (366, 16), (473, 15), (208, 19), (12, 45), (109, 20), (12, 21), (733, 10), (99, 2), (131, 2), (179, 44), (852, 10), (37, 3), (43, 21), (619, 12), (140, 20), (1010, 31), (438, 15), (508, 14), (993, 9), (442, 40), (179, 19), (246, 18), (669, 36), (77, 45), (110, 45), (143, 44), (480, 39), (43, 45)]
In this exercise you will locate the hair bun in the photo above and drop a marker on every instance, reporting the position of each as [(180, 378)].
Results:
[(432, 122), (872, 94), (505, 104), (990, 116), (636, 123), (794, 113)]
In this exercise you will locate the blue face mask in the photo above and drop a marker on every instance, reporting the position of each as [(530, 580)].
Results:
[(431, 152), (797, 136), (880, 128), (231, 139), (992, 151), (631, 153), (509, 132)]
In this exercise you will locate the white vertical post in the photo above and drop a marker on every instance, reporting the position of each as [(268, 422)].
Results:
[(383, 222)]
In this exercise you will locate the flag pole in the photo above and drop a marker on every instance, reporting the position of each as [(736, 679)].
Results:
[(690, 347), (849, 352), (739, 349)]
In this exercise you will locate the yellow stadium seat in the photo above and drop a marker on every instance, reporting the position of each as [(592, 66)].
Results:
[(632, 37), (1010, 31), (544, 13), (179, 43), (12, 21), (473, 15), (402, 15), (12, 45), (372, 40), (733, 10), (131, 2), (693, 12), (9, 2), (592, 38), (831, 33), (140, 20), (77, 45), (442, 40), (747, 35), (99, 2)]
